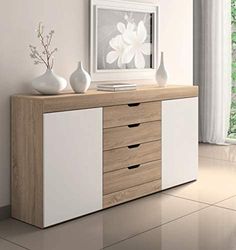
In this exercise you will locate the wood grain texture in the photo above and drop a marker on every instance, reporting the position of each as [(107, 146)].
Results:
[(93, 98), (131, 193), (121, 115), (125, 178), (122, 157), (27, 143), (27, 160), (125, 136)]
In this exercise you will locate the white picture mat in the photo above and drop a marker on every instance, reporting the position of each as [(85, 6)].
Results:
[(122, 74)]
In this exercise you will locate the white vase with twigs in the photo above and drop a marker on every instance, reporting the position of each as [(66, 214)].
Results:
[(49, 82)]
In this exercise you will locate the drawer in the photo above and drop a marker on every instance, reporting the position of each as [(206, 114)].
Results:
[(131, 176), (131, 193), (131, 155), (132, 134), (121, 115)]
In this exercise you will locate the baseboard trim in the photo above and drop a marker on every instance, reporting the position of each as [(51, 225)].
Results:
[(5, 212)]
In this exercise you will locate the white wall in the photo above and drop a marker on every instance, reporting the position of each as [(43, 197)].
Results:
[(176, 39), (70, 20), (197, 33)]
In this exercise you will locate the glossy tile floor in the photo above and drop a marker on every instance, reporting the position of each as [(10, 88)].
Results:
[(199, 215)]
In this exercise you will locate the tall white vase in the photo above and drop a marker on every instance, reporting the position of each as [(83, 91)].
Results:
[(80, 80), (161, 75), (49, 83)]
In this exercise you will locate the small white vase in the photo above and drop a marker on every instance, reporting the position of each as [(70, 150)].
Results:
[(80, 80), (161, 75), (49, 83)]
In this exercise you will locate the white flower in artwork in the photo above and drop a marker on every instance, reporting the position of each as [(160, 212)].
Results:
[(118, 46), (126, 29), (129, 45), (137, 47)]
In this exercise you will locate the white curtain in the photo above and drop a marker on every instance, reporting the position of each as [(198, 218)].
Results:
[(215, 70)]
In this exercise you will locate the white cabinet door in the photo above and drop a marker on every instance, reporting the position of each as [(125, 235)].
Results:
[(179, 141), (72, 164)]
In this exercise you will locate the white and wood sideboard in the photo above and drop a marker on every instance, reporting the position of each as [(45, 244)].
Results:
[(74, 154)]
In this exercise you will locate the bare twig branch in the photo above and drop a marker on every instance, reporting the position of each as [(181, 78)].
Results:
[(46, 56), (52, 63)]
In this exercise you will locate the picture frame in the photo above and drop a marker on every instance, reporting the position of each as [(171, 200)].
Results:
[(123, 40)]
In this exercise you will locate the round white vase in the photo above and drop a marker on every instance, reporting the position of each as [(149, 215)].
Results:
[(161, 75), (80, 80), (49, 83)]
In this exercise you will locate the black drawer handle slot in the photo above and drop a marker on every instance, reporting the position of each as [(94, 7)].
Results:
[(133, 104), (134, 146), (135, 166), (133, 125)]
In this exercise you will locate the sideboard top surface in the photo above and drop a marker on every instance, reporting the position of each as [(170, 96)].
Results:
[(93, 98)]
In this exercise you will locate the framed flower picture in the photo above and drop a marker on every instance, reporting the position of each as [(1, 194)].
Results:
[(123, 40)]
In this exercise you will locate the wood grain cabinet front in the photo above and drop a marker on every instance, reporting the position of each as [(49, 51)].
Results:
[(131, 176), (131, 193), (131, 155), (69, 173), (132, 151), (131, 134), (73, 154), (116, 116)]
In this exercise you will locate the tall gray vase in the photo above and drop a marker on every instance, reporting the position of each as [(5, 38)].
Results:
[(161, 75)]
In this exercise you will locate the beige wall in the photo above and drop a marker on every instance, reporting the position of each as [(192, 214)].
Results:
[(18, 20)]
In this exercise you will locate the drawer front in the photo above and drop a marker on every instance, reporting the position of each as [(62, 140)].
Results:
[(131, 155), (131, 134), (122, 115), (131, 176), (131, 193)]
